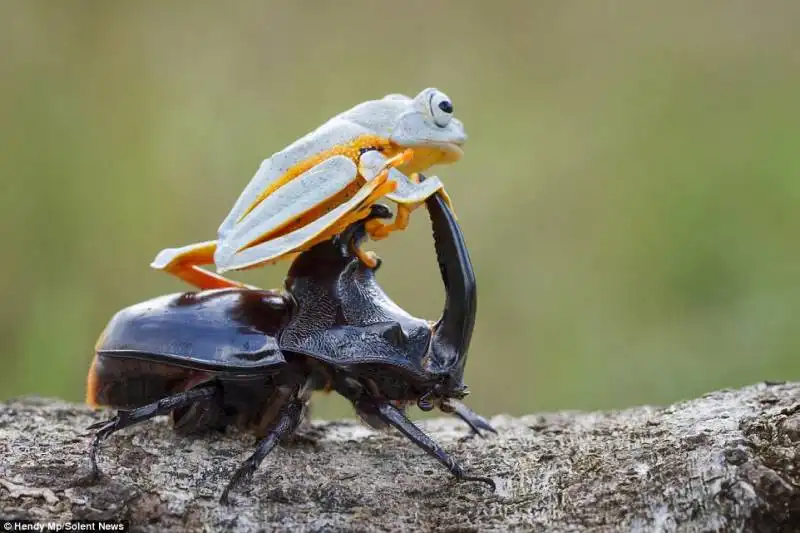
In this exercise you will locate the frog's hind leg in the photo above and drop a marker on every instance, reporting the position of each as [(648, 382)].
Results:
[(185, 263), (248, 255)]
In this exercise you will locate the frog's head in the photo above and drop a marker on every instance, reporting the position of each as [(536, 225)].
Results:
[(424, 123), (428, 121)]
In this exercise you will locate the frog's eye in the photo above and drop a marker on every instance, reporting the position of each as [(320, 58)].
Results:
[(441, 109)]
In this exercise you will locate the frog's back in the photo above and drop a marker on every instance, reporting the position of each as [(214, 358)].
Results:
[(368, 122), (374, 119), (326, 138)]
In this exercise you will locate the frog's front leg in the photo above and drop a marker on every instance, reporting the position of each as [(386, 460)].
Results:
[(411, 192), (378, 230)]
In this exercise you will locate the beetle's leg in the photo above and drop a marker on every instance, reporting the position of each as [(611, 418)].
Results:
[(287, 421), (185, 264), (130, 417), (395, 417), (475, 421)]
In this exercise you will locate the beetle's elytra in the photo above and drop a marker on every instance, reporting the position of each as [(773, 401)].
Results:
[(251, 358)]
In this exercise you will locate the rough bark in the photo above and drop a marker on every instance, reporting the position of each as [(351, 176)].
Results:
[(729, 461)]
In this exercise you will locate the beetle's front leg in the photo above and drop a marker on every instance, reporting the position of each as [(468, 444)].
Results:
[(395, 417)]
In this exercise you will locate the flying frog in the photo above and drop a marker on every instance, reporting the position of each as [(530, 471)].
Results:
[(317, 186)]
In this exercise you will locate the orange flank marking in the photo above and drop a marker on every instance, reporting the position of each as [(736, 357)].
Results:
[(92, 384), (351, 150)]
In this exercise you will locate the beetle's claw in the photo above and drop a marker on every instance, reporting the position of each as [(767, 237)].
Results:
[(482, 423), (475, 421), (94, 472), (479, 479), (105, 428), (305, 439), (98, 425), (243, 474)]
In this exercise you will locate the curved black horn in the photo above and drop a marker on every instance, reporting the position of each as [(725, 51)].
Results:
[(453, 331)]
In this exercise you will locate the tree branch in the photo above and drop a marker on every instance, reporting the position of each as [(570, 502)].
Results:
[(729, 461)]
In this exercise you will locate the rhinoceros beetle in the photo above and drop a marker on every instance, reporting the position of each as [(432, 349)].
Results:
[(251, 358)]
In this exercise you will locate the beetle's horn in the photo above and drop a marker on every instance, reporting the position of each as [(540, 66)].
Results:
[(453, 331)]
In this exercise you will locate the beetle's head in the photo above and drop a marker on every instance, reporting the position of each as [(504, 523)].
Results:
[(424, 123)]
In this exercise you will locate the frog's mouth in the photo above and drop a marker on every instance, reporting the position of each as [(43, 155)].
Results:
[(428, 155), (453, 152)]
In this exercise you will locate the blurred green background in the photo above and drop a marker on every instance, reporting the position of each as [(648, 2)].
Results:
[(629, 193)]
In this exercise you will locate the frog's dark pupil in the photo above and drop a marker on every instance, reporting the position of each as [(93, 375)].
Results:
[(446, 106)]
